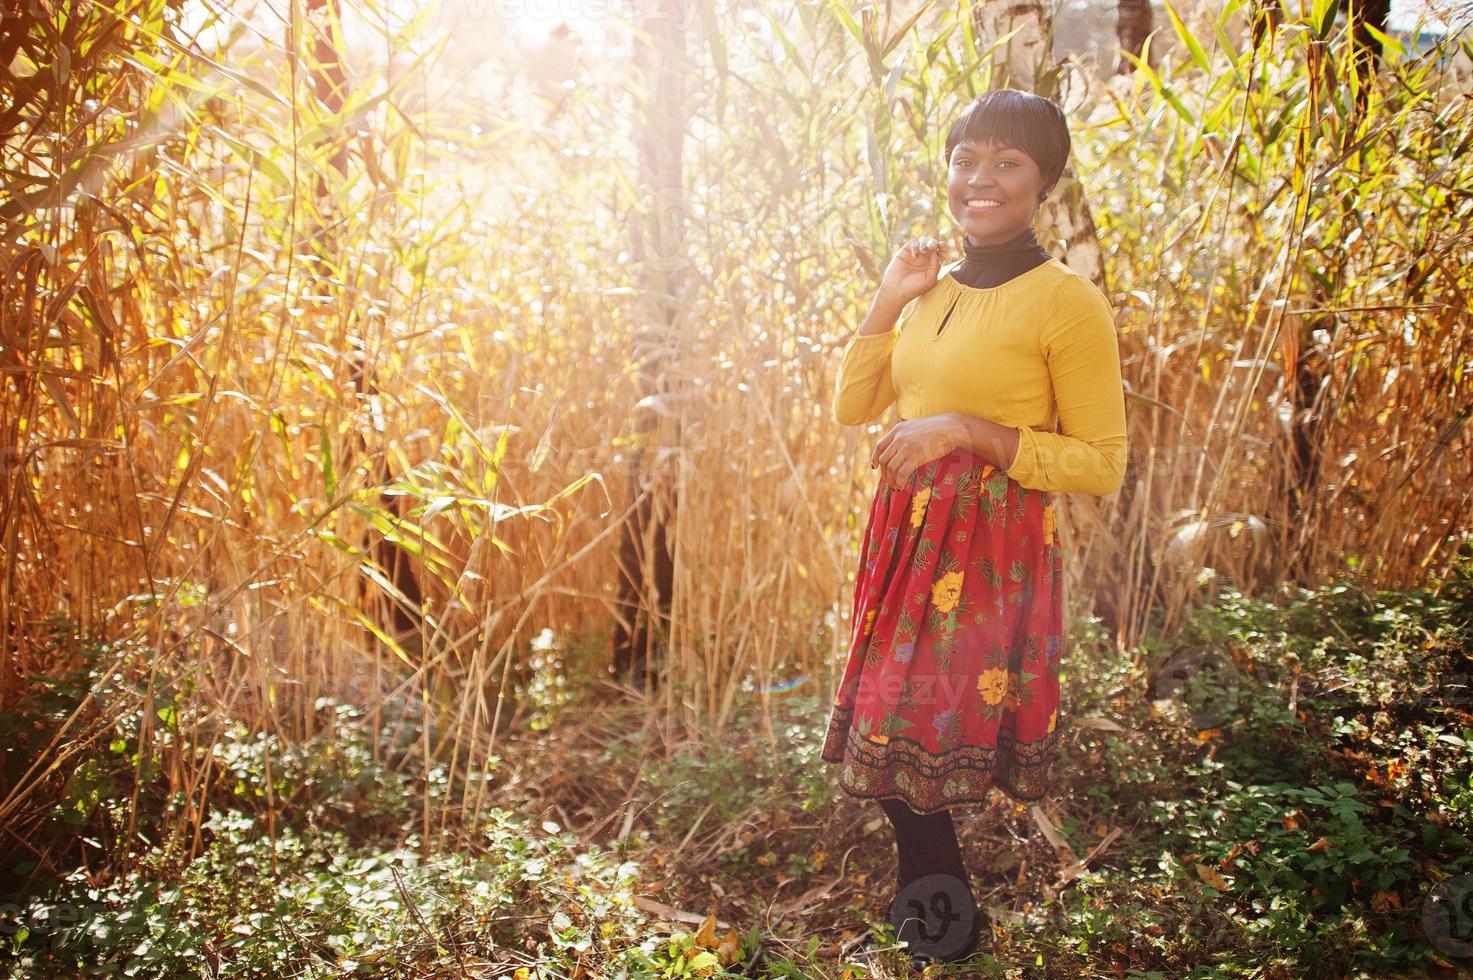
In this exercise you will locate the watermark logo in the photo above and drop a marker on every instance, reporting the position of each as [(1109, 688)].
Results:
[(1447, 916), (935, 915), (1208, 683)]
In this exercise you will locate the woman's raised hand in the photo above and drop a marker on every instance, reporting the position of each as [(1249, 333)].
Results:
[(913, 270)]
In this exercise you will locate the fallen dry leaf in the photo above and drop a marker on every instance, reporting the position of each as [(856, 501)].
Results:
[(1074, 870), (1385, 901), (706, 935), (1212, 878), (1103, 724), (672, 913), (1052, 834)]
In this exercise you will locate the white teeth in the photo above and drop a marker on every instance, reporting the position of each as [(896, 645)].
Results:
[(982, 203)]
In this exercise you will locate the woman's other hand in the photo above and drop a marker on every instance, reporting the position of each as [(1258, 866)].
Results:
[(913, 270), (912, 442)]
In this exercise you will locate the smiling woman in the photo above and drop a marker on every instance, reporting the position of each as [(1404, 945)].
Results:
[(1004, 153), (952, 682)]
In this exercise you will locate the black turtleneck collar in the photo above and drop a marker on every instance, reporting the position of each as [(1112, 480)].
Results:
[(985, 266)]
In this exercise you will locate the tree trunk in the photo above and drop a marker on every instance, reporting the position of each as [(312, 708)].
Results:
[(1027, 63), (645, 566), (1132, 26)]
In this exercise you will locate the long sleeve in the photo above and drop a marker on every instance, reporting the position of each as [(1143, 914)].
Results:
[(1083, 357), (863, 388)]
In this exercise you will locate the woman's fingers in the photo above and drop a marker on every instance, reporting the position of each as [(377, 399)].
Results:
[(885, 455), (893, 467), (927, 247), (881, 446)]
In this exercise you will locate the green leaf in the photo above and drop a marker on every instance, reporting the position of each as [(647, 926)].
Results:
[(843, 16), (329, 472), (1225, 40), (705, 959), (1323, 16), (1198, 55), (1388, 43), (334, 123), (904, 29), (255, 158)]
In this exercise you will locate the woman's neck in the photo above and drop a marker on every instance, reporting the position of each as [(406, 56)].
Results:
[(987, 265)]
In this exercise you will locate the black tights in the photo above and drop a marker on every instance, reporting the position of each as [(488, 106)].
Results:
[(926, 843), (929, 915)]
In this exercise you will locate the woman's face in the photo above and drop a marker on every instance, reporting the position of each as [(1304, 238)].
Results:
[(992, 190)]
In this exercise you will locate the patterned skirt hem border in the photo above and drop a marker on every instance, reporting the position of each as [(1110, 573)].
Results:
[(984, 800), (1022, 776)]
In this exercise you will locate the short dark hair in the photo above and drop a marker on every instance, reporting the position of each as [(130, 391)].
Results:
[(1018, 119)]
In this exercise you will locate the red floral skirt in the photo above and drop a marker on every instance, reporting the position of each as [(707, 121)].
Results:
[(952, 681)]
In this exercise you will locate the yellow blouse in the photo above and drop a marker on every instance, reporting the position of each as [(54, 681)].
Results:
[(1033, 352)]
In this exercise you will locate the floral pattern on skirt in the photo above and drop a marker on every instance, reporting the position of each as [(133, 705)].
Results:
[(952, 681)]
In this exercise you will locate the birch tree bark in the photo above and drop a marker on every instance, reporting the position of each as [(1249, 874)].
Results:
[(1025, 61)]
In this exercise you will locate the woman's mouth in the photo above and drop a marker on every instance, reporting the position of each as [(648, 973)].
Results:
[(982, 203)]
